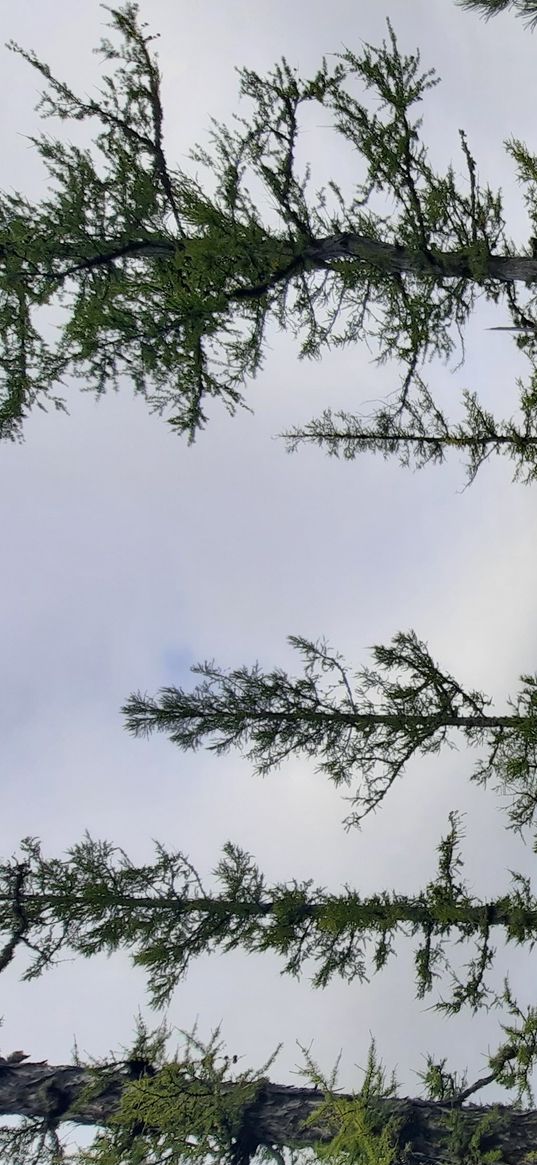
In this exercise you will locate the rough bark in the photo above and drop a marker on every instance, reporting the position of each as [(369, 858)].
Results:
[(280, 1116), (390, 257), (47, 1091)]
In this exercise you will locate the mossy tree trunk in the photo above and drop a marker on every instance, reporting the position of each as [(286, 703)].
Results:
[(281, 1116)]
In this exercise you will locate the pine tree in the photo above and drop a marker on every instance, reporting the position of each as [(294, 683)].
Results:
[(96, 900), (173, 279), (195, 1108), (527, 9), (366, 726)]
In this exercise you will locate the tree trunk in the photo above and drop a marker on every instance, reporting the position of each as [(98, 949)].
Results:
[(391, 257), (319, 715), (388, 257), (333, 436), (279, 1116), (348, 909)]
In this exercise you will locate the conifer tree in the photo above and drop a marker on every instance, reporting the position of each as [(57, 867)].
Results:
[(425, 437), (365, 726), (193, 1107), (171, 276), (96, 900)]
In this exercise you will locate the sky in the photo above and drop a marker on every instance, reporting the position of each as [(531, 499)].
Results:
[(127, 556)]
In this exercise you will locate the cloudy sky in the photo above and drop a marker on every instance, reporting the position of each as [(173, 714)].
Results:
[(127, 556)]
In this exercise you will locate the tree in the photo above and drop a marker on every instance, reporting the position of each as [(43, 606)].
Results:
[(426, 437), (196, 1107), (527, 9), (96, 899), (367, 726), (173, 279)]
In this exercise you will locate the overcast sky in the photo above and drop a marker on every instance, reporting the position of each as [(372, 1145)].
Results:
[(127, 556)]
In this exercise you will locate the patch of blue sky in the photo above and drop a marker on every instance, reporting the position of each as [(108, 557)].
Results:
[(176, 663)]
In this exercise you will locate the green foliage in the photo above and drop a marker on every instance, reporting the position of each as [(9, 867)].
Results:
[(510, 1066), (473, 1148), (96, 900), (440, 1083), (511, 759), (194, 1105), (327, 713), (146, 261), (516, 1059), (172, 279), (359, 1136), (426, 437), (190, 1110), (366, 725), (188, 1107)]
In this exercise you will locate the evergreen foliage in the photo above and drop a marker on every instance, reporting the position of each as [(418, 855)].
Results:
[(171, 276), (365, 726), (189, 1109), (196, 1107), (96, 900), (426, 438)]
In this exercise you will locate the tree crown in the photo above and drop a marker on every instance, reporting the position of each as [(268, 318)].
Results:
[(96, 900), (366, 725), (171, 277)]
